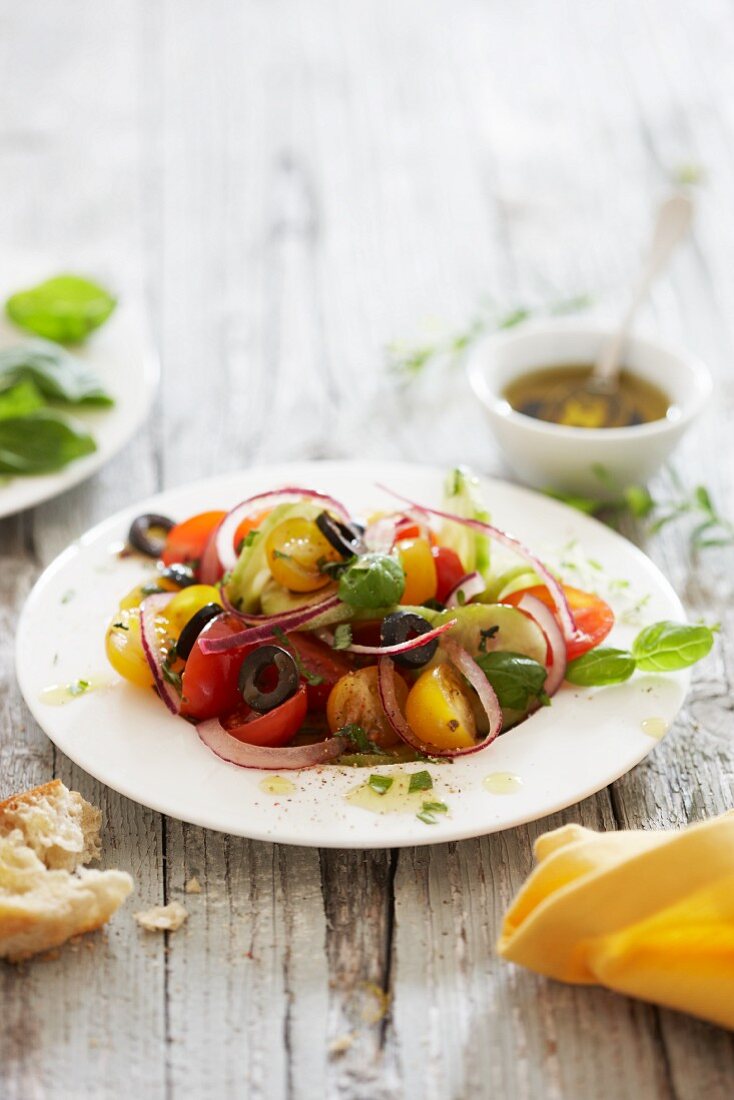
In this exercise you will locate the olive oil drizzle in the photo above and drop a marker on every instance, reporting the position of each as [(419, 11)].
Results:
[(563, 394)]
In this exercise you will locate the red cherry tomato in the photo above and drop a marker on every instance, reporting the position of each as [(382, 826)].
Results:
[(209, 683), (594, 618), (320, 660), (276, 728), (449, 570), (249, 524), (409, 529), (186, 542)]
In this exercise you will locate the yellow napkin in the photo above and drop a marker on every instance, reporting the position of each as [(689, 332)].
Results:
[(649, 914)]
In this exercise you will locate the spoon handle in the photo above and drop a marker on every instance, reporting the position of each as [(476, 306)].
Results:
[(673, 222)]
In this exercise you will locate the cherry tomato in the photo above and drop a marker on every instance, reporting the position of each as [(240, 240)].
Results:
[(439, 711), (124, 648), (187, 541), (294, 549), (449, 571), (594, 618), (187, 602), (355, 700), (321, 661), (210, 681), (250, 523), (420, 570), (275, 728)]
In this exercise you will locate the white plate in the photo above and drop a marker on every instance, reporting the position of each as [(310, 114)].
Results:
[(122, 358), (124, 736)]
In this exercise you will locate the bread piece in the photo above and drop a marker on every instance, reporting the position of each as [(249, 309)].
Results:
[(163, 918), (45, 898)]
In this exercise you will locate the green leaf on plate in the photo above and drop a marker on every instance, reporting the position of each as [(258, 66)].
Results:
[(668, 646), (41, 442), (66, 308), (20, 400), (58, 374)]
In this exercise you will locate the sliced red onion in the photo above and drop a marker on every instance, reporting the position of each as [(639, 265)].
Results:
[(290, 758), (546, 620), (400, 647), (289, 620), (150, 608), (210, 568), (380, 534), (471, 585), (565, 615), (228, 527), (475, 676)]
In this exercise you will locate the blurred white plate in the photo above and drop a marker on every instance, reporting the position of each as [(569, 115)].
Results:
[(121, 356), (126, 738)]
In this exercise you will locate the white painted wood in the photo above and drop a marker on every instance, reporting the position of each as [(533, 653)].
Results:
[(295, 186)]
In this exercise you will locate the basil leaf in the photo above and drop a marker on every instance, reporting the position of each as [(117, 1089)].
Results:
[(372, 581), (57, 373), (66, 308), (516, 679), (420, 781), (40, 442), (20, 400), (668, 646), (601, 666)]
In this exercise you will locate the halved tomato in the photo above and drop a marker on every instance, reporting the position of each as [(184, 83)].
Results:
[(209, 683), (323, 663), (449, 571), (187, 541), (275, 728), (594, 618)]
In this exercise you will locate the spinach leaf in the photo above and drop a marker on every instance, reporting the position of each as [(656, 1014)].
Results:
[(66, 308), (40, 442), (57, 373), (372, 581), (20, 400), (516, 679), (668, 646), (604, 665)]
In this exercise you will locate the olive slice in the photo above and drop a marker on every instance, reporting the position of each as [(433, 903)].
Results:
[(400, 627), (347, 540), (140, 538), (268, 676), (194, 627), (180, 574)]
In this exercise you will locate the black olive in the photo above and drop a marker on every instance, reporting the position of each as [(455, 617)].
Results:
[(182, 575), (140, 538), (194, 627), (342, 536), (402, 626), (268, 663)]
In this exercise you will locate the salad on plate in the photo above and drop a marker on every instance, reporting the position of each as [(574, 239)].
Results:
[(290, 632)]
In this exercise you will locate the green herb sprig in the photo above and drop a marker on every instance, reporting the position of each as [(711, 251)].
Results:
[(663, 647)]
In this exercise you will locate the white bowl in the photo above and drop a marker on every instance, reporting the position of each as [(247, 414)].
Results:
[(586, 461)]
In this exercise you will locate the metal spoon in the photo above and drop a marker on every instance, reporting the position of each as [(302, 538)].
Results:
[(673, 222)]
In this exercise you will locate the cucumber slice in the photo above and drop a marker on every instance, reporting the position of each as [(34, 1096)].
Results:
[(517, 633)]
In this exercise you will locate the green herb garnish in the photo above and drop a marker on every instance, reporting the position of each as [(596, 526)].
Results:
[(662, 647), (517, 680), (603, 665), (246, 541), (372, 581), (78, 687), (420, 781), (66, 308), (380, 784), (41, 442), (358, 736), (57, 374), (342, 636), (435, 808), (485, 636)]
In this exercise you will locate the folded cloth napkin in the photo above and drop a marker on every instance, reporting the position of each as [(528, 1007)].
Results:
[(649, 914)]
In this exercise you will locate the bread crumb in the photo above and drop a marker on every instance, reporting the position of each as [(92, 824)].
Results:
[(341, 1044), (193, 886), (162, 918)]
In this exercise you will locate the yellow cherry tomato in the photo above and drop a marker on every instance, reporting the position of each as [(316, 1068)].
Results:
[(186, 603), (355, 700), (294, 549), (124, 648), (419, 566), (439, 711), (136, 595)]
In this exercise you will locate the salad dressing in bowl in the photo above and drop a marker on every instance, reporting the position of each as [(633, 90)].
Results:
[(565, 394)]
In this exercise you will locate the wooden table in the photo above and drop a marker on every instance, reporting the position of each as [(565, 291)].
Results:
[(293, 186)]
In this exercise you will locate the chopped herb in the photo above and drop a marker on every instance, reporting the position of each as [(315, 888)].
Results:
[(380, 784), (435, 808), (68, 595), (360, 740), (426, 818), (420, 781), (485, 636), (78, 687), (150, 589), (334, 569), (342, 636), (278, 554), (247, 540), (120, 626)]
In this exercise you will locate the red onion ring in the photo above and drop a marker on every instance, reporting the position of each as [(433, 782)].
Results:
[(546, 620), (289, 620), (400, 647), (150, 608), (225, 533), (380, 534), (477, 679), (565, 615), (291, 758), (473, 584)]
